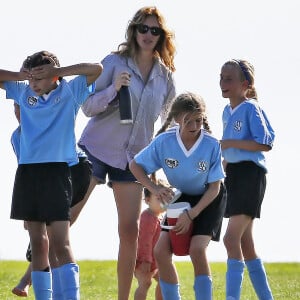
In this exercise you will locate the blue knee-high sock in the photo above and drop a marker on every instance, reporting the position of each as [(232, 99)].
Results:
[(42, 285), (56, 285), (69, 278), (258, 278), (170, 291), (234, 279), (203, 287)]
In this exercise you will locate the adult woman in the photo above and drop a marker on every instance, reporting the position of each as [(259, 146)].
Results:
[(144, 63)]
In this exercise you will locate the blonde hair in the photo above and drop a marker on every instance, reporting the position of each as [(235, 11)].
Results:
[(246, 72), (186, 102)]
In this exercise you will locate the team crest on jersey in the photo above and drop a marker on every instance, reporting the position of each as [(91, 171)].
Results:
[(238, 125), (57, 100), (171, 162), (31, 100), (202, 166)]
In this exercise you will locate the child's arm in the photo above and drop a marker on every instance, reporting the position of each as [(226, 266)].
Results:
[(248, 145), (187, 217), (210, 194), (92, 71), (142, 177), (163, 194), (6, 75)]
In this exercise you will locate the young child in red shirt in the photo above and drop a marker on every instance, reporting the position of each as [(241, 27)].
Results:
[(149, 231)]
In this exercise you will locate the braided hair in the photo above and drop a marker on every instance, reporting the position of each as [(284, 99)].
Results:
[(186, 103)]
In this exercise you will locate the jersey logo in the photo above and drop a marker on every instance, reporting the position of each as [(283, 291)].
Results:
[(31, 100), (57, 100), (171, 162), (238, 125), (202, 166)]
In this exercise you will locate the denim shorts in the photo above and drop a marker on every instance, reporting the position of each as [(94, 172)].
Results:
[(102, 170)]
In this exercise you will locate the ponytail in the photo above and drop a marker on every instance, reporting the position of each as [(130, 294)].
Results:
[(251, 92)]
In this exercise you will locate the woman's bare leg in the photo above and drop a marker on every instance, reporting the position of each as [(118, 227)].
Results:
[(128, 197)]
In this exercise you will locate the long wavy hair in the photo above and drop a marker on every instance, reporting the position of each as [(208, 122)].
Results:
[(165, 47)]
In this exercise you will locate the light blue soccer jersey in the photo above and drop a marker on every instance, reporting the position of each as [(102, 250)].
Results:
[(246, 122), (187, 170), (48, 124), (15, 141)]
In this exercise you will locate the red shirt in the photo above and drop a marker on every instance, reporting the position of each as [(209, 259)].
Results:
[(149, 231)]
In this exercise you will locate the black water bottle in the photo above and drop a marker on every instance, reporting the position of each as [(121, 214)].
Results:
[(125, 105)]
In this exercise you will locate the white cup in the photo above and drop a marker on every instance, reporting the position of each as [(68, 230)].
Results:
[(177, 194)]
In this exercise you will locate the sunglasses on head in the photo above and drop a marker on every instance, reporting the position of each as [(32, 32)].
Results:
[(142, 28)]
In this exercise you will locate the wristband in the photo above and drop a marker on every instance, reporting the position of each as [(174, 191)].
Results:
[(187, 213)]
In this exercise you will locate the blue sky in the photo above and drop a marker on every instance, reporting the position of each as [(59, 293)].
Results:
[(207, 34)]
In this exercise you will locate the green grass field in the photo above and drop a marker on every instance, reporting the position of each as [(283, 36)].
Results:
[(98, 280)]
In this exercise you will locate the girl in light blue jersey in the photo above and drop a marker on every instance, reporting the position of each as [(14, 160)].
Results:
[(247, 134), (191, 160), (42, 189)]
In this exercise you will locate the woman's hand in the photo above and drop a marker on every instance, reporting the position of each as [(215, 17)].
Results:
[(122, 79)]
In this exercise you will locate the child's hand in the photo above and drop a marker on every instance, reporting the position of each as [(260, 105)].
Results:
[(145, 267), (183, 223), (164, 194), (44, 71), (24, 74)]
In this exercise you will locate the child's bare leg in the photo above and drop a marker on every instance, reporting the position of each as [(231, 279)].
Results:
[(144, 283), (158, 295), (23, 286)]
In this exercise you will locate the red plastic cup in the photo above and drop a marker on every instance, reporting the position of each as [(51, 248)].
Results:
[(180, 242)]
